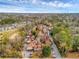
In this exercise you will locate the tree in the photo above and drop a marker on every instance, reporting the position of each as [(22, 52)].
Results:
[(65, 42), (75, 43), (56, 29), (46, 51), (62, 37), (13, 54), (7, 21)]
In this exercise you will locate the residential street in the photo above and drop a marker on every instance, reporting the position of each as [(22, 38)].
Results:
[(55, 52)]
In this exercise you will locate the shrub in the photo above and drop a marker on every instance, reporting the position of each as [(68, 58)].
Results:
[(46, 51)]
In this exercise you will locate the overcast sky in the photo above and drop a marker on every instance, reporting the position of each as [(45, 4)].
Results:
[(39, 6)]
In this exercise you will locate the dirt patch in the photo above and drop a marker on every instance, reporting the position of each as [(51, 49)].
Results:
[(73, 55)]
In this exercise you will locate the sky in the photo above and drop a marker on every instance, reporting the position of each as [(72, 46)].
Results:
[(39, 6)]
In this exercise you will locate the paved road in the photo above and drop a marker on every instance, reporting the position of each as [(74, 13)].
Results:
[(56, 52), (26, 54), (55, 49)]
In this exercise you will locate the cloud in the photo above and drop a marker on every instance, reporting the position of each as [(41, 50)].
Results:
[(51, 3), (58, 4), (21, 11), (37, 6), (34, 1), (11, 9)]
